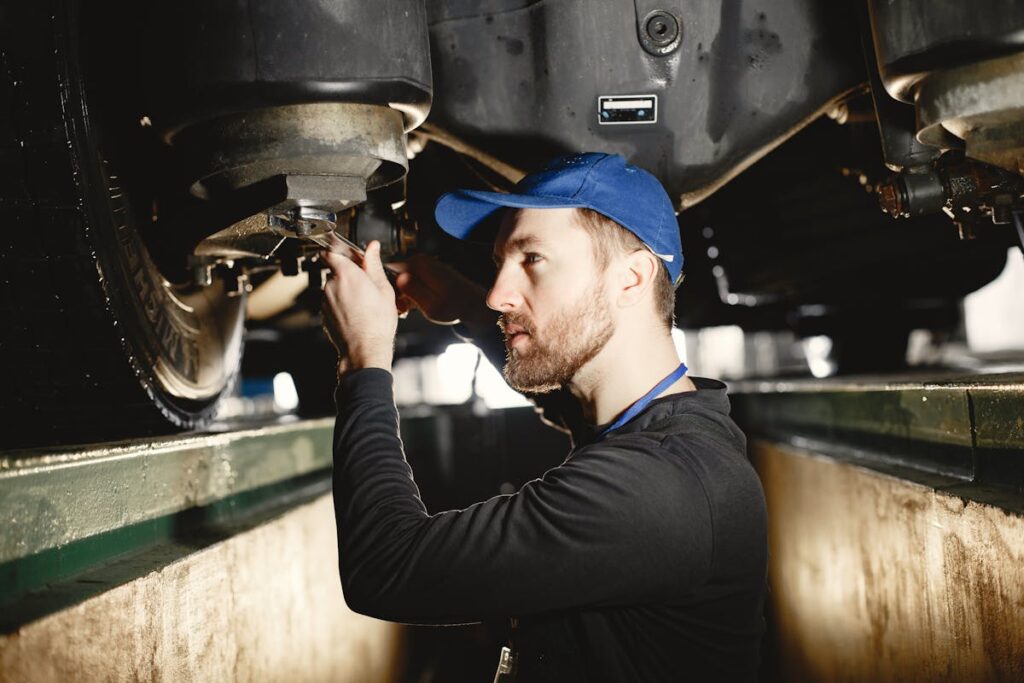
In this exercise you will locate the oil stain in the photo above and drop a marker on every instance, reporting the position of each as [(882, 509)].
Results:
[(513, 46)]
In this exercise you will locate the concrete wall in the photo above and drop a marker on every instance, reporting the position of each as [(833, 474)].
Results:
[(878, 579), (265, 605)]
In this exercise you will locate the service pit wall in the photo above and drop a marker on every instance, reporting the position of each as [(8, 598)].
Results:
[(896, 526), (264, 605)]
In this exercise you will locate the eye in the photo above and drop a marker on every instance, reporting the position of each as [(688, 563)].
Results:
[(531, 258)]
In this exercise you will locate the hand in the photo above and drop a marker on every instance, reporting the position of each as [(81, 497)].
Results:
[(444, 295), (359, 309)]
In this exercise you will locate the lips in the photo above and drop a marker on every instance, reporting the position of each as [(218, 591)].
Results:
[(515, 333), (515, 339)]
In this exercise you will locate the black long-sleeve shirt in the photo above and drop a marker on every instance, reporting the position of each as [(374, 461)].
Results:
[(641, 558)]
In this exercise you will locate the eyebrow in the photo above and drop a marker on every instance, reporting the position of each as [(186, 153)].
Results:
[(517, 244)]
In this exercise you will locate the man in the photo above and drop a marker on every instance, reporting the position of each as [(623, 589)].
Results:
[(643, 556)]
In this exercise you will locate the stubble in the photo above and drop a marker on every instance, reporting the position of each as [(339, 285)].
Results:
[(555, 354)]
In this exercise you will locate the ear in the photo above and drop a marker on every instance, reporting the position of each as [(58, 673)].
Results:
[(636, 276)]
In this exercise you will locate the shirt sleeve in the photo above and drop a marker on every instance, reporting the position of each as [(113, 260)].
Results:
[(600, 530)]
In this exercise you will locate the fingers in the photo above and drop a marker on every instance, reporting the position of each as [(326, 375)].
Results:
[(414, 288), (337, 263), (404, 304), (373, 267), (331, 327)]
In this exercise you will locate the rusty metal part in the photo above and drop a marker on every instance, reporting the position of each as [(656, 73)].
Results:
[(319, 139), (912, 194), (969, 192), (878, 579), (981, 104)]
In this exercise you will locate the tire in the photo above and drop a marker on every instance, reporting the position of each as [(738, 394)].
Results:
[(94, 343)]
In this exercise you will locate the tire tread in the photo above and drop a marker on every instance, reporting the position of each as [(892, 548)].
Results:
[(69, 379)]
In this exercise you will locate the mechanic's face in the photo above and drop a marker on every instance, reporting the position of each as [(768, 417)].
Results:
[(554, 311)]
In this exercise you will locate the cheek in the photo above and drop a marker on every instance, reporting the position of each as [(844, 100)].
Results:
[(555, 289), (549, 293)]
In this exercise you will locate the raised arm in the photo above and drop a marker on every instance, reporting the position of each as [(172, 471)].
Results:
[(596, 531)]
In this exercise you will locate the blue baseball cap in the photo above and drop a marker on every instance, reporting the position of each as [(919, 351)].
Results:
[(628, 195)]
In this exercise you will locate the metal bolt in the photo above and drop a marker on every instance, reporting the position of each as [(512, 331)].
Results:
[(889, 198), (242, 285), (658, 29), (202, 269), (202, 274), (660, 34)]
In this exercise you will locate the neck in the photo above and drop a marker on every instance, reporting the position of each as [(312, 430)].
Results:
[(627, 367)]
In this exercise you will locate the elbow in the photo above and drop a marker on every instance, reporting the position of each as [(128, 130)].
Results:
[(357, 595), (370, 606), (365, 597), (361, 603)]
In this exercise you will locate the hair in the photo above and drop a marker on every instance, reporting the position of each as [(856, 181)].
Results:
[(610, 239)]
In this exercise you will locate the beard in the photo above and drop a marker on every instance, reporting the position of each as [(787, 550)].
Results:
[(573, 337)]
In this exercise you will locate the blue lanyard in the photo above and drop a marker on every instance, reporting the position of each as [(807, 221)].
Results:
[(644, 400)]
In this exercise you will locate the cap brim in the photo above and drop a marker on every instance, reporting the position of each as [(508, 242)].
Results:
[(459, 213)]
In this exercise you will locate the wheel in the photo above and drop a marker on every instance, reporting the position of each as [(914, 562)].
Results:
[(95, 344)]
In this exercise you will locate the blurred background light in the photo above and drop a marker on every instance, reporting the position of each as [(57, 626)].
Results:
[(286, 397), (491, 387), (818, 349), (455, 369), (994, 315)]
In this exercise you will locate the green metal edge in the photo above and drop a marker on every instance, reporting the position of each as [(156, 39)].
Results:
[(963, 434), (51, 499), (32, 587)]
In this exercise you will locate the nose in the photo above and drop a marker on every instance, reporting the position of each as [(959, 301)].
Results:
[(504, 295)]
